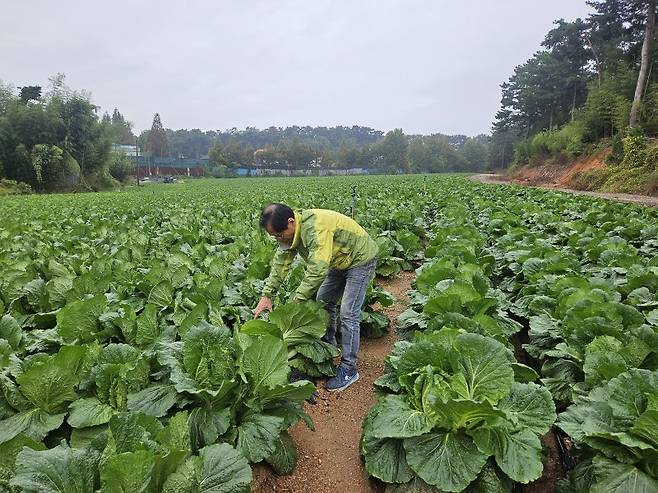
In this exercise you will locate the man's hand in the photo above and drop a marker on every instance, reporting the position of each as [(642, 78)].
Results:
[(265, 303)]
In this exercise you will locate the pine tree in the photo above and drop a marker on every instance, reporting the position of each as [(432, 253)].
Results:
[(156, 142), (117, 117)]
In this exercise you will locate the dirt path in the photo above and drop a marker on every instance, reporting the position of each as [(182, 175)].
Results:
[(329, 458), (619, 197)]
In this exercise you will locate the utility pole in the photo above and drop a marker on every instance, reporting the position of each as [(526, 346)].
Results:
[(137, 159)]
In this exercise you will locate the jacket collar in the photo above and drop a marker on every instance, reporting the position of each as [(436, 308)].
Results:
[(298, 230)]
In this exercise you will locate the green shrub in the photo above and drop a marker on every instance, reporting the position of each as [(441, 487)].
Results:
[(592, 179), (627, 180), (652, 183), (120, 165), (71, 173), (649, 110), (634, 151), (220, 171), (560, 144), (101, 180), (11, 187), (540, 143), (617, 154), (605, 112), (571, 137), (55, 170), (651, 157), (522, 152)]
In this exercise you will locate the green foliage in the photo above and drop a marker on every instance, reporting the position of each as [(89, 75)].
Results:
[(46, 161), (125, 329), (118, 128), (435, 154), (648, 114), (100, 181), (120, 166), (459, 404), (634, 151), (49, 142), (586, 76), (522, 152), (628, 180), (299, 326), (307, 149), (220, 171), (567, 139), (591, 180), (216, 156), (605, 113), (58, 469), (618, 421), (587, 288), (391, 153), (11, 187), (631, 168), (30, 93), (617, 151), (542, 93), (476, 155), (156, 141)]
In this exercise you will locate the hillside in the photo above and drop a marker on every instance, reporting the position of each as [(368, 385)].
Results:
[(586, 172), (559, 174)]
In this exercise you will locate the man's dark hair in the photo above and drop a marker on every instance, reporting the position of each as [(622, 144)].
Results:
[(276, 216)]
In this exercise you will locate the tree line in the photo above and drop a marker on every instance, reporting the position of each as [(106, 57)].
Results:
[(56, 140), (334, 147), (593, 80)]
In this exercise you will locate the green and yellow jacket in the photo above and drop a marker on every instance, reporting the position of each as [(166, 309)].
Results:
[(326, 240)]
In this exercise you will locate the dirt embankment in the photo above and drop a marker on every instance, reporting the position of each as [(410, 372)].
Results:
[(561, 177), (557, 175), (329, 459)]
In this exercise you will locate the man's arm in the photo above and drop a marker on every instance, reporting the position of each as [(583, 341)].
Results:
[(320, 248), (279, 269)]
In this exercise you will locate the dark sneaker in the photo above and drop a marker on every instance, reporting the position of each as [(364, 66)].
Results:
[(343, 379)]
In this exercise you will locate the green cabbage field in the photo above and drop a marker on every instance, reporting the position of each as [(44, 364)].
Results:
[(129, 361)]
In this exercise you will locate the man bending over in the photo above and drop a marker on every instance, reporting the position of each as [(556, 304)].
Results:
[(340, 262)]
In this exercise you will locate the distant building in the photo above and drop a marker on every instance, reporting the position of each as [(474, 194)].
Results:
[(166, 166), (241, 171), (128, 150), (265, 171), (313, 168)]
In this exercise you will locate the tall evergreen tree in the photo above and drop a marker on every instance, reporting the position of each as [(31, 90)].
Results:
[(117, 117), (156, 142)]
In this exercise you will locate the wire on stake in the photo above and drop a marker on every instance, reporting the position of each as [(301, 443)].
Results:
[(354, 197)]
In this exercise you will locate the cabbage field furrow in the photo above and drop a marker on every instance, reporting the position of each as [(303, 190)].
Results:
[(129, 361)]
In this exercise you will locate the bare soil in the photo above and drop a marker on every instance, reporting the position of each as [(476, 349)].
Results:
[(558, 174), (329, 459), (552, 468), (619, 197)]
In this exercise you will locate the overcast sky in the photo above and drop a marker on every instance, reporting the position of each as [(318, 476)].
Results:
[(422, 65)]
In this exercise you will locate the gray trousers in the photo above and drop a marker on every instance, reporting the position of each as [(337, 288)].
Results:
[(350, 285)]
